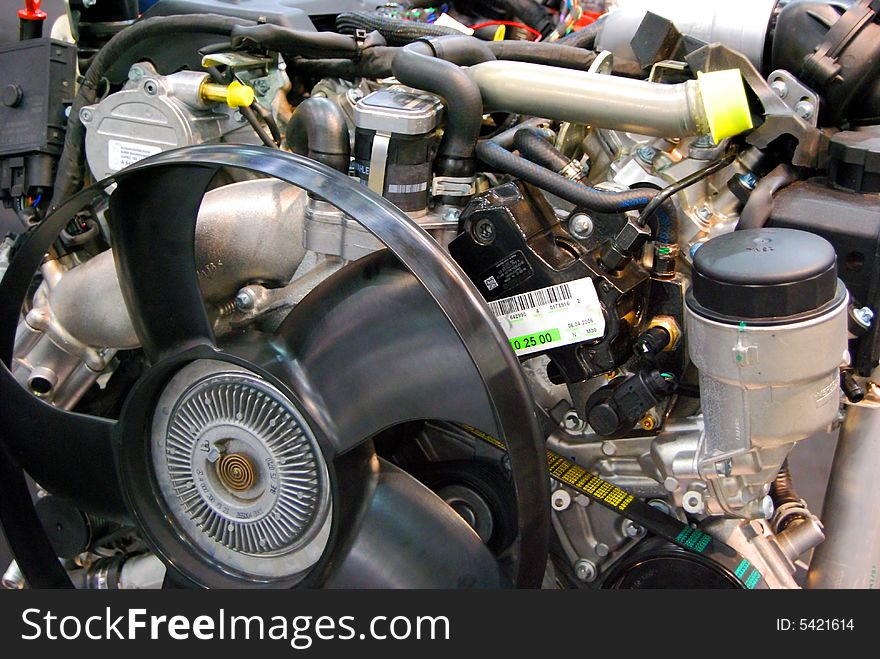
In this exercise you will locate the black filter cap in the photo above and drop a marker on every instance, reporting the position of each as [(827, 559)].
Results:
[(762, 276)]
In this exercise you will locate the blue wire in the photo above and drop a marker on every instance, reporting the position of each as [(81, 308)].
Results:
[(37, 200)]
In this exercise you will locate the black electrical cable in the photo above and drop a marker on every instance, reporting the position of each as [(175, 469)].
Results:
[(668, 192), (397, 32), (246, 112), (251, 117), (269, 120), (71, 165)]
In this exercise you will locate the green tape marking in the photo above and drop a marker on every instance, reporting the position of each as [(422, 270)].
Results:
[(752, 580), (536, 339)]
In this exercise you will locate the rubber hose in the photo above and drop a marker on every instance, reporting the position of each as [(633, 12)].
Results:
[(318, 130), (585, 37), (307, 44), (72, 162), (506, 137), (396, 32), (532, 14), (416, 66), (583, 196), (532, 144), (550, 53), (759, 206)]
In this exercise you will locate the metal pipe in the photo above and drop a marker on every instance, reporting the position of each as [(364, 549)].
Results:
[(599, 100), (741, 25), (246, 232), (850, 555)]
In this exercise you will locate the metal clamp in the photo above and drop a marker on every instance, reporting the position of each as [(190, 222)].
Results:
[(453, 186)]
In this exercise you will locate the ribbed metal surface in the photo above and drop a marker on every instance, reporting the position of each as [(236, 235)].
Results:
[(287, 483)]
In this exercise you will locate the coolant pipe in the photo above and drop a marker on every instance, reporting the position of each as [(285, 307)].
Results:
[(850, 555), (247, 231), (714, 104)]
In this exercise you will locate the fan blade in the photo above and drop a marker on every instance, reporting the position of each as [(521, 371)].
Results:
[(153, 217), (397, 542), (370, 349)]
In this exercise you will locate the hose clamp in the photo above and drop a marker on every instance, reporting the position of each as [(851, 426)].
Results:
[(453, 186)]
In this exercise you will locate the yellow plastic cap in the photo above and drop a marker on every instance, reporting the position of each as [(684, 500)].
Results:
[(239, 95), (725, 103)]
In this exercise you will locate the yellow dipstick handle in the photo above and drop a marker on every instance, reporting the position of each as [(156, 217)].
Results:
[(236, 95)]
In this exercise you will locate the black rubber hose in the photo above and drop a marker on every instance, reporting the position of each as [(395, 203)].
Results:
[(532, 144), (600, 201), (550, 53), (506, 137), (318, 130), (532, 14), (307, 44), (415, 65), (72, 162), (397, 32), (585, 37), (759, 206)]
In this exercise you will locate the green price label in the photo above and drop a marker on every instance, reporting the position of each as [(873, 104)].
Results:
[(536, 339)]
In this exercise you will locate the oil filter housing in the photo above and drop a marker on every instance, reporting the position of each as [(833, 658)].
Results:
[(767, 329), (394, 144)]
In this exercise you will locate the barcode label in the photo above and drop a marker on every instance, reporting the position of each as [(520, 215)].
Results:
[(531, 299), (551, 317)]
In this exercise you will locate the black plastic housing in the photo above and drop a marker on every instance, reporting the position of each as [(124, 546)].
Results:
[(36, 78), (850, 221)]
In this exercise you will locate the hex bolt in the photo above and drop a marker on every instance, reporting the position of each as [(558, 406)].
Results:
[(585, 570), (601, 549), (483, 231), (631, 529), (804, 109), (704, 213), (451, 214), (245, 299), (692, 502), (671, 483), (85, 115), (760, 508), (748, 180), (864, 316), (572, 423), (136, 72), (724, 468), (581, 226), (646, 154), (780, 88), (560, 500)]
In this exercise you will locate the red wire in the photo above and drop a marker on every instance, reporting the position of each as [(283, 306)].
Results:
[(531, 30)]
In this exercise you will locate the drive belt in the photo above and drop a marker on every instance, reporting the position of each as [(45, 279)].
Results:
[(653, 519)]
